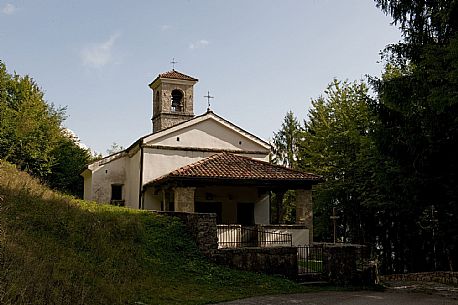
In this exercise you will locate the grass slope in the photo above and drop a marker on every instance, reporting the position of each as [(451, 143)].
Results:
[(55, 249)]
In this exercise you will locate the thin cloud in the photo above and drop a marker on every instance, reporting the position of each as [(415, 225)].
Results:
[(100, 54), (199, 44), (8, 9), (165, 27)]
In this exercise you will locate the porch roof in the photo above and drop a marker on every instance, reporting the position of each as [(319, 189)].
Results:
[(228, 168)]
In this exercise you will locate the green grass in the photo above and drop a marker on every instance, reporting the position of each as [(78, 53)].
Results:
[(55, 249)]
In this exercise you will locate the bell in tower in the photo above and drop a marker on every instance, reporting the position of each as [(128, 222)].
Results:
[(172, 99)]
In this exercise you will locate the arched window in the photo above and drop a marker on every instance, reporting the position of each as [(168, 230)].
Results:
[(177, 100), (156, 101)]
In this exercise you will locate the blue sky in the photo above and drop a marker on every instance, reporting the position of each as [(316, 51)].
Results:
[(258, 58)]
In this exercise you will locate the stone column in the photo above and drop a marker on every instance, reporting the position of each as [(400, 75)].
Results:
[(165, 205), (184, 199), (279, 206), (304, 210)]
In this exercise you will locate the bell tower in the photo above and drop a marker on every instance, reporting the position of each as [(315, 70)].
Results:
[(173, 94)]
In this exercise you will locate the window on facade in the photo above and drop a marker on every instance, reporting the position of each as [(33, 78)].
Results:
[(177, 100), (116, 192)]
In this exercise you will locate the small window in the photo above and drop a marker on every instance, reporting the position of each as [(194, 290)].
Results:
[(158, 94), (116, 192), (177, 100)]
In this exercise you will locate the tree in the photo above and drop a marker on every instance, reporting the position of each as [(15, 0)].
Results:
[(114, 148), (29, 127), (417, 107), (337, 145), (70, 159), (285, 150), (285, 141), (32, 136)]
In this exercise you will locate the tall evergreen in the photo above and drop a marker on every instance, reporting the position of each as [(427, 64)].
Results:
[(417, 111), (337, 145)]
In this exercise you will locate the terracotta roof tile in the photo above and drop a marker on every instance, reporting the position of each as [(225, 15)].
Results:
[(233, 167), (176, 75)]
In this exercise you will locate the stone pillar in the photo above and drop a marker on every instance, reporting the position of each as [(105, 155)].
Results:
[(184, 199), (304, 210), (279, 206), (165, 204)]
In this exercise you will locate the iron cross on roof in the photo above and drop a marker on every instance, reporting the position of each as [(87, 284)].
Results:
[(173, 62), (208, 96)]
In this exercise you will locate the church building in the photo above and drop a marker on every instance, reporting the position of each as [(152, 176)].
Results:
[(200, 163)]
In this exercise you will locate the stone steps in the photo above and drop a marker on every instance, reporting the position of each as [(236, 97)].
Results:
[(310, 278)]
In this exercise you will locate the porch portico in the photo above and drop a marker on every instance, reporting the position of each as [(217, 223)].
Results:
[(237, 189)]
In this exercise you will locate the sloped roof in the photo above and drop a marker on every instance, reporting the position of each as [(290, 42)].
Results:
[(149, 137), (226, 166), (207, 115), (173, 74)]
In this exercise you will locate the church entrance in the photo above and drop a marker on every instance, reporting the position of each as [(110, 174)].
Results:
[(245, 213)]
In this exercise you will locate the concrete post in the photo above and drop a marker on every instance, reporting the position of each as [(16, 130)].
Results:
[(304, 210), (184, 199)]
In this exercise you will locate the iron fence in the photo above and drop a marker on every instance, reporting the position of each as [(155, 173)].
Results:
[(237, 236), (309, 259)]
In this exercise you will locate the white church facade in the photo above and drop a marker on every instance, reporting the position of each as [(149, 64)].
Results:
[(196, 164)]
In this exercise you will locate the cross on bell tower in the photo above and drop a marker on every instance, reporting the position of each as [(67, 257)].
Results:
[(173, 62)]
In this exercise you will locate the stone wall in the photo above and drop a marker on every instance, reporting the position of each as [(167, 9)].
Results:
[(347, 264), (444, 277), (275, 260), (201, 227), (184, 199)]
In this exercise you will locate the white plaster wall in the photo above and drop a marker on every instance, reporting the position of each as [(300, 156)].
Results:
[(159, 162), (208, 134), (133, 180), (126, 170), (104, 176), (87, 187)]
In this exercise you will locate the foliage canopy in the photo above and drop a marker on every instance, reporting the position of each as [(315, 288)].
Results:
[(32, 137)]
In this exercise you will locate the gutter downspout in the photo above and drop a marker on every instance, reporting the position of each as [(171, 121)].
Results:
[(140, 191)]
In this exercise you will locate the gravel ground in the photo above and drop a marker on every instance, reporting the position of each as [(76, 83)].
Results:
[(348, 298)]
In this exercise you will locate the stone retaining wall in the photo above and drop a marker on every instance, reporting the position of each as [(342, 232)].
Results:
[(347, 264), (443, 277), (273, 260), (202, 229)]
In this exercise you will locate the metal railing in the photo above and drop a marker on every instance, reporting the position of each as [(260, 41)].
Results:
[(309, 259), (237, 236)]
